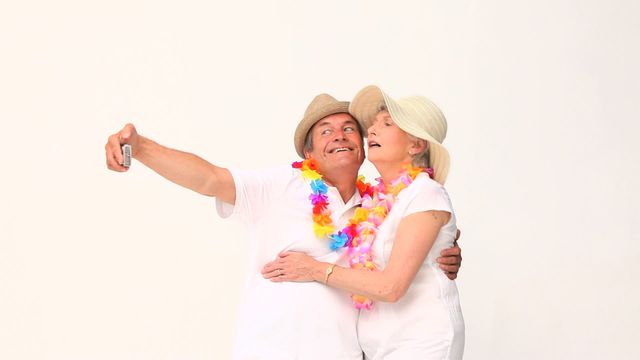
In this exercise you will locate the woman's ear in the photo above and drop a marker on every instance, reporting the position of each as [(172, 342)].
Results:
[(418, 146)]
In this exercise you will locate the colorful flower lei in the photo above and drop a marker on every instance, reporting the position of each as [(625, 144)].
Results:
[(362, 228), (322, 222)]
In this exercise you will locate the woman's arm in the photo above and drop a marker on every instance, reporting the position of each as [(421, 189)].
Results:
[(414, 238)]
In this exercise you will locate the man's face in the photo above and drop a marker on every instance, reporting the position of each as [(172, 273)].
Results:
[(336, 142)]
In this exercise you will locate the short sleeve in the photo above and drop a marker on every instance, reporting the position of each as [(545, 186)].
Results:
[(255, 192), (428, 195)]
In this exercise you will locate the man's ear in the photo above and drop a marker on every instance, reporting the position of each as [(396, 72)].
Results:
[(307, 155)]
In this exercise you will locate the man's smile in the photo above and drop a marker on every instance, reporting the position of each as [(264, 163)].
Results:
[(340, 149)]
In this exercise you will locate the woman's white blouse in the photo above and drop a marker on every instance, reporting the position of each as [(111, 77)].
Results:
[(426, 323)]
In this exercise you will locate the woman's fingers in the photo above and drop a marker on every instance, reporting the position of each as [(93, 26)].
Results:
[(269, 267), (276, 271), (289, 266), (273, 273)]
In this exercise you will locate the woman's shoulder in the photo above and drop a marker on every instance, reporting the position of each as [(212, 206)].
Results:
[(423, 184), (428, 193)]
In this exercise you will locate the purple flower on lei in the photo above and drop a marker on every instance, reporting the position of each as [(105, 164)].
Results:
[(318, 198)]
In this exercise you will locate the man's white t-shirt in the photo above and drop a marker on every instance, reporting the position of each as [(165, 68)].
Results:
[(289, 320)]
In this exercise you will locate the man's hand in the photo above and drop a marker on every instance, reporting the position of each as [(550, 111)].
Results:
[(113, 150), (450, 259)]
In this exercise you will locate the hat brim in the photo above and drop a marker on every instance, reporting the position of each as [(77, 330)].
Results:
[(366, 105)]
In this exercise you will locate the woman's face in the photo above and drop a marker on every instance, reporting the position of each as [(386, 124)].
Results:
[(388, 143)]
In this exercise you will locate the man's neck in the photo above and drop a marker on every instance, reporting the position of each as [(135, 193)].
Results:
[(344, 181)]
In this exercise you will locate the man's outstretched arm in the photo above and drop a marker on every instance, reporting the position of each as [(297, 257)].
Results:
[(182, 168)]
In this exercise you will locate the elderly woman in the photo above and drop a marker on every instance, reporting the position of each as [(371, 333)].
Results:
[(410, 308)]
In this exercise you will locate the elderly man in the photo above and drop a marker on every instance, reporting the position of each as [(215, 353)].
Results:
[(282, 320)]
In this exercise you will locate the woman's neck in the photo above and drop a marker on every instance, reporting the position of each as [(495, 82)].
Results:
[(389, 171)]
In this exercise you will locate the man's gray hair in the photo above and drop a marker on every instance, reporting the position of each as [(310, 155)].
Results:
[(308, 141)]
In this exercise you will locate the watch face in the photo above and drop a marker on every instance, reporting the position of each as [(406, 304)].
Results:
[(328, 272)]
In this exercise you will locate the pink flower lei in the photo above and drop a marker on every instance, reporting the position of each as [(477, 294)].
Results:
[(361, 231)]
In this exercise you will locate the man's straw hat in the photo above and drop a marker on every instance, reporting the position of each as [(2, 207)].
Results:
[(322, 106)]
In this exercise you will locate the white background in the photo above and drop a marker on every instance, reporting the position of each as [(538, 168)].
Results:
[(542, 99)]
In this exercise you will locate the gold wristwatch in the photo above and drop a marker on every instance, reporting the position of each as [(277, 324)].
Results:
[(328, 272)]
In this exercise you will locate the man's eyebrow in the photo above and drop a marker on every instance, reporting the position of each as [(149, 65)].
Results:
[(327, 123)]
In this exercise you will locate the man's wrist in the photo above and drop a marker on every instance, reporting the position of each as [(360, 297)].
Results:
[(141, 148)]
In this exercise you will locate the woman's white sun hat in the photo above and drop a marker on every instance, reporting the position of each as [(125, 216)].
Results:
[(416, 115)]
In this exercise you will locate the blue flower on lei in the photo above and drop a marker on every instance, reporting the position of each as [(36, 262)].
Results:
[(338, 240), (319, 187)]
